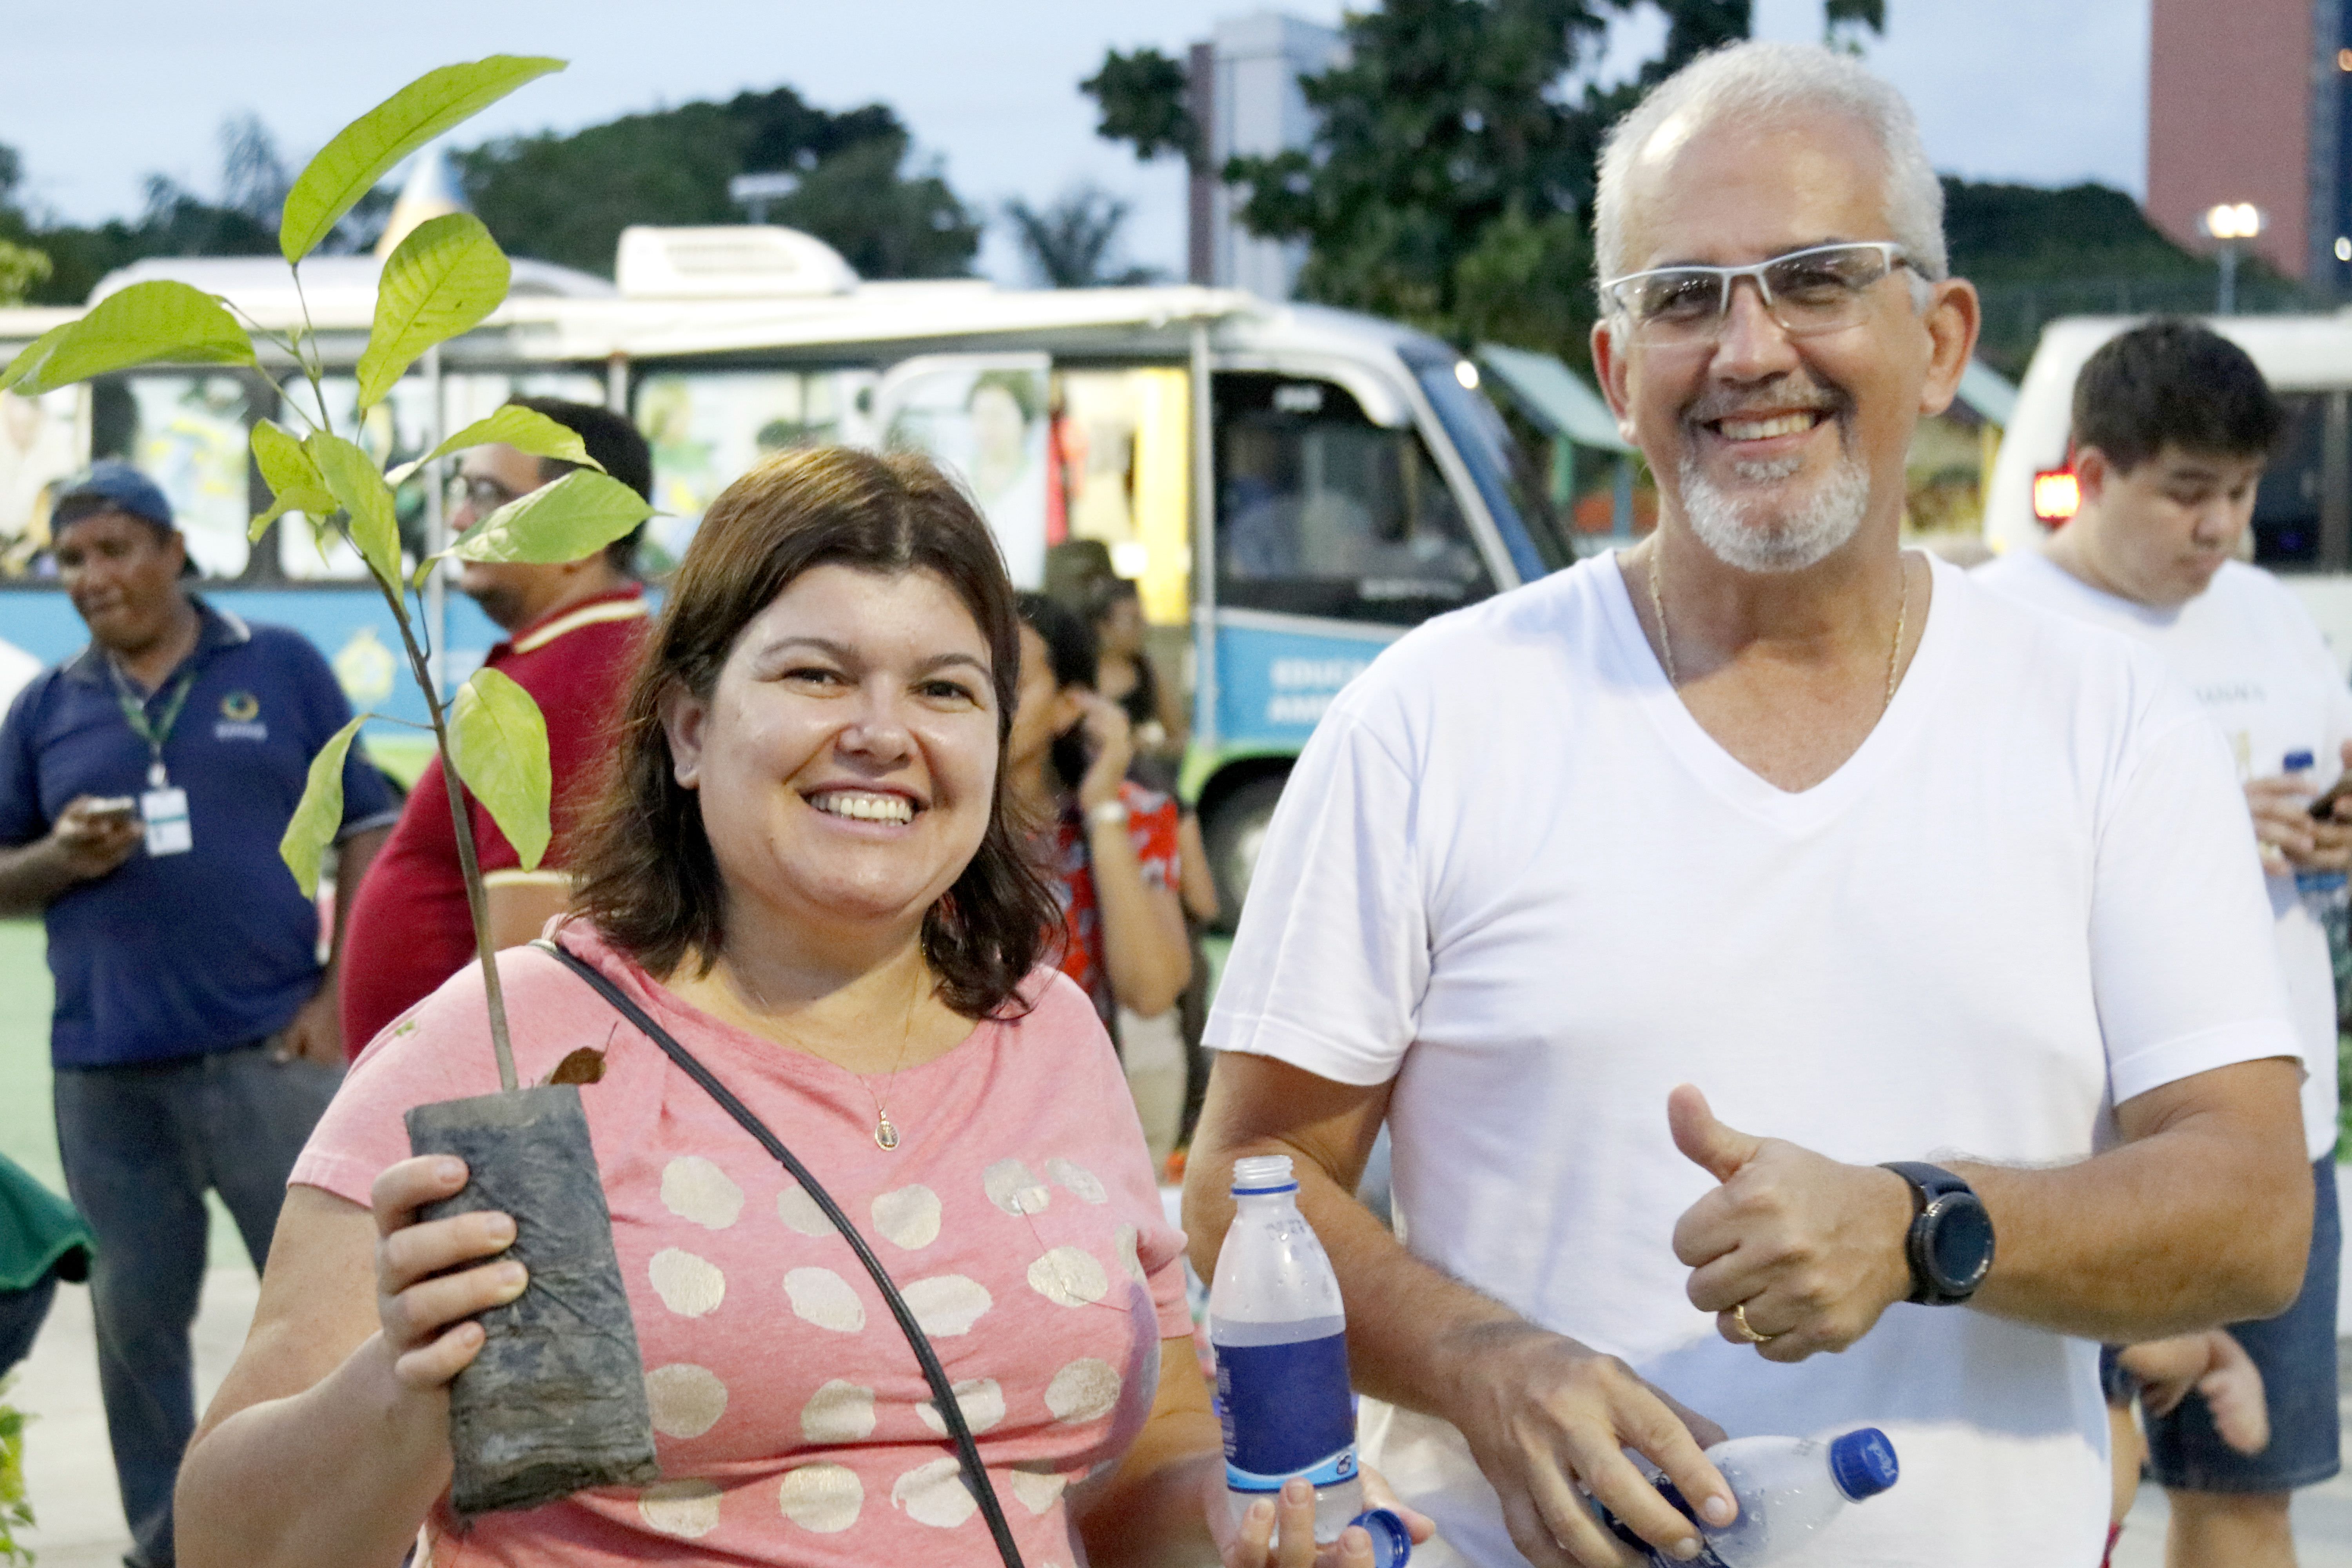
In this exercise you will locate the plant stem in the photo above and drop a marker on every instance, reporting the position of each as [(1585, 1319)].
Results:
[(477, 902)]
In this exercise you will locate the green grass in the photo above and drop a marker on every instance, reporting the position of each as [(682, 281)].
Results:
[(28, 1132), (28, 1126)]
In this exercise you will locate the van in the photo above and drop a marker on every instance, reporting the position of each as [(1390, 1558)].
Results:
[(2302, 513)]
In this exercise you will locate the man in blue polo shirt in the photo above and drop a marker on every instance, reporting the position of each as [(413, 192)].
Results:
[(144, 784)]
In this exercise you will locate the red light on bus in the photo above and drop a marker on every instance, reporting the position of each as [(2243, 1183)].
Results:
[(2056, 495)]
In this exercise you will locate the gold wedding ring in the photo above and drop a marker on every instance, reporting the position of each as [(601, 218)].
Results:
[(1746, 1331)]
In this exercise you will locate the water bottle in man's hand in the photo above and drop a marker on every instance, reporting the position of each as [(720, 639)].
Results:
[(1281, 1339), (1788, 1488)]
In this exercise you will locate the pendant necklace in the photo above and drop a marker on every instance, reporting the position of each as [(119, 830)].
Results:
[(1666, 639), (886, 1131)]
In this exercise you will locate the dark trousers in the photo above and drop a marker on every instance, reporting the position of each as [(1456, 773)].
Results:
[(142, 1144)]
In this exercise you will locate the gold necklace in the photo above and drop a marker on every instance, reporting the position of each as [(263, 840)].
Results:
[(1666, 638), (885, 1135), (886, 1131)]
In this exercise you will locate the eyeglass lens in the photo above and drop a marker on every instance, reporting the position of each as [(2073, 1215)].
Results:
[(1817, 290), (485, 496)]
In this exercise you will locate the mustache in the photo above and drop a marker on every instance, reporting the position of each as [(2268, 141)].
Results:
[(1781, 393)]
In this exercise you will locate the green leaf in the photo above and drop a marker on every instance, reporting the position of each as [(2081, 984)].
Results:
[(497, 741), (524, 429), (445, 277), (320, 815), (363, 152), (576, 516), (158, 322), (351, 478), (33, 356), (290, 471)]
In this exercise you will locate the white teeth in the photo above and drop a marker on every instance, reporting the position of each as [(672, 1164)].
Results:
[(864, 807), (1765, 429)]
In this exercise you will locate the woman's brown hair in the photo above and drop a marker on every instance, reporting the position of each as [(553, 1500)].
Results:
[(645, 872)]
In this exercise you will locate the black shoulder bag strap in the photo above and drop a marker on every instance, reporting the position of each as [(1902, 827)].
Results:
[(975, 1475)]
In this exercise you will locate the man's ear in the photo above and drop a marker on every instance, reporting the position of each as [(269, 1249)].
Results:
[(2093, 470), (683, 716), (1953, 317), (1610, 369)]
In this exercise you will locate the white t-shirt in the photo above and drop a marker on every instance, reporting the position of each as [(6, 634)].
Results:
[(1512, 873), (2250, 652)]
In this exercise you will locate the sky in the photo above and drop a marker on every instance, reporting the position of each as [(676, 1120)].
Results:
[(97, 95)]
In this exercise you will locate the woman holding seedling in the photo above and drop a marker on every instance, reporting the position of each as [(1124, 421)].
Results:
[(805, 872)]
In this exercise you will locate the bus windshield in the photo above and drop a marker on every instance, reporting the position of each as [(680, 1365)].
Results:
[(1507, 477)]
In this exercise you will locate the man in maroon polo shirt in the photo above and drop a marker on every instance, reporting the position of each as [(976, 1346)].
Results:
[(571, 633)]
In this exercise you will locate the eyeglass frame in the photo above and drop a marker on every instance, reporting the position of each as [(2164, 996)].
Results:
[(1892, 252), (460, 492)]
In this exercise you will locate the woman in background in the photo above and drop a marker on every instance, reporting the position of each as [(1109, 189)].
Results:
[(1108, 844)]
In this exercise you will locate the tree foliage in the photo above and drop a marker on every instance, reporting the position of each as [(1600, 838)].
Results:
[(1144, 100), (1073, 243), (566, 197), (1451, 178), (176, 220)]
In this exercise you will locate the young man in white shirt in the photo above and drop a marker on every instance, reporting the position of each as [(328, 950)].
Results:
[(2172, 425), (1764, 817)]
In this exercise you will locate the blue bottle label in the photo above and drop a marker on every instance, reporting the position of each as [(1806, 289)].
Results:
[(1706, 1557), (1288, 1411)]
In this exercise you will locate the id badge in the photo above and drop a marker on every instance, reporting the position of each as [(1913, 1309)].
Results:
[(166, 815)]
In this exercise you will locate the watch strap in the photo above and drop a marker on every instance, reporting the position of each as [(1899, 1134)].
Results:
[(1927, 1182)]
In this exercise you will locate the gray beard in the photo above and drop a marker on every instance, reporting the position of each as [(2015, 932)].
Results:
[(1755, 535)]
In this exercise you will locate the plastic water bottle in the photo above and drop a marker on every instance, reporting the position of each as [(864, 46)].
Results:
[(2327, 895), (1788, 1488), (1281, 1339)]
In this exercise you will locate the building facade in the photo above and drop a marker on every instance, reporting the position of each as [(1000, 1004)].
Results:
[(2251, 100), (1245, 97)]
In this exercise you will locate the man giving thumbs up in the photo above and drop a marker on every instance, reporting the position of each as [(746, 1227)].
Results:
[(1763, 805)]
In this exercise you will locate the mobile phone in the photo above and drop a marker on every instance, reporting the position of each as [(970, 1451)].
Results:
[(2325, 804), (111, 808)]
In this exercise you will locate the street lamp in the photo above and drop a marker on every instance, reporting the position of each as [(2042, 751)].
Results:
[(2232, 224)]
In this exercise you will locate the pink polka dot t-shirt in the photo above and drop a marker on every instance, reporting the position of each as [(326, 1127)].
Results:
[(794, 1425)]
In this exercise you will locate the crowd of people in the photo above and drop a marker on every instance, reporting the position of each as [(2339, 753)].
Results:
[(1804, 985)]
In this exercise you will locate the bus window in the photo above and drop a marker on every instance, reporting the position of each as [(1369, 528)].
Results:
[(190, 433), (41, 444), (397, 430), (1322, 513), (1506, 476), (2287, 504), (707, 427)]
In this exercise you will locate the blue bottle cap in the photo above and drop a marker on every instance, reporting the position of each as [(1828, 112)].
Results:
[(1391, 1542), (1862, 1463), (2298, 761)]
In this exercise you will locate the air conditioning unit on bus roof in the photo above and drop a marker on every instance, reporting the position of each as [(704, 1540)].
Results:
[(734, 262)]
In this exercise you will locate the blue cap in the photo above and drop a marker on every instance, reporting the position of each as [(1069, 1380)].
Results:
[(2298, 761), (1862, 1463), (123, 488), (1391, 1542)]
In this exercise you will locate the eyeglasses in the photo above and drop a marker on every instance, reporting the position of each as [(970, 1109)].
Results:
[(1818, 289), (485, 496)]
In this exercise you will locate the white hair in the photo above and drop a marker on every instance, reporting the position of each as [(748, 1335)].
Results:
[(1751, 82), (1753, 537)]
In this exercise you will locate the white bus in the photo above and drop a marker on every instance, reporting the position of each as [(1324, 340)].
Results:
[(1291, 486)]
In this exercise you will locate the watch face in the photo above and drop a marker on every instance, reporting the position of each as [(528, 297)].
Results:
[(1959, 1242)]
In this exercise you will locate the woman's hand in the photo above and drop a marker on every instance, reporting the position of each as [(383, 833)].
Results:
[(1110, 749), (1282, 1535), (426, 1299)]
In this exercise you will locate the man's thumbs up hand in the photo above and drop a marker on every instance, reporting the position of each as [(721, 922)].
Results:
[(1715, 1148), (1808, 1250)]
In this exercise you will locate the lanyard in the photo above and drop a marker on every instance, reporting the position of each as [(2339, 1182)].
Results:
[(156, 734)]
